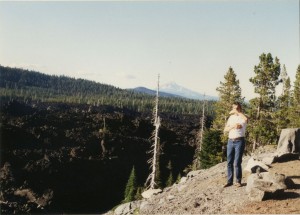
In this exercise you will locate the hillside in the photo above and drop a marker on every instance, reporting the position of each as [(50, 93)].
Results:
[(36, 86), (202, 193)]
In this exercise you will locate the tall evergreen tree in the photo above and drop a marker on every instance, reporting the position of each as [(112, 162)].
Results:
[(131, 187), (170, 179), (262, 129), (229, 92), (295, 110), (283, 104), (178, 178), (211, 153)]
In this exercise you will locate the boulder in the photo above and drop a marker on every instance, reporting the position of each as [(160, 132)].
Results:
[(289, 142), (149, 193), (269, 160), (262, 184), (254, 165)]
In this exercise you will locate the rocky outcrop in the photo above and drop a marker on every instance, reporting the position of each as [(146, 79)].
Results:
[(288, 148), (149, 193), (255, 165), (289, 144), (261, 185), (203, 193)]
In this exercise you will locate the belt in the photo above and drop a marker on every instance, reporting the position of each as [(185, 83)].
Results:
[(236, 139)]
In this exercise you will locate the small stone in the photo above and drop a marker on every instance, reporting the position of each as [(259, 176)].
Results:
[(149, 193), (170, 197), (196, 204)]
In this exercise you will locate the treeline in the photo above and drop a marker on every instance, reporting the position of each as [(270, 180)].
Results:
[(268, 113), (31, 85)]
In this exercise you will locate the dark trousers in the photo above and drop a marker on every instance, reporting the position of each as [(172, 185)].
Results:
[(235, 150)]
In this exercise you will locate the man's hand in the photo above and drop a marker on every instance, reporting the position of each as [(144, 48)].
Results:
[(233, 111), (238, 126)]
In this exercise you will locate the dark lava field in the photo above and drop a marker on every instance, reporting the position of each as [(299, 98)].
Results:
[(72, 158)]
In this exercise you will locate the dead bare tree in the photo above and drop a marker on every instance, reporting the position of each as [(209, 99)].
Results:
[(154, 148), (199, 140)]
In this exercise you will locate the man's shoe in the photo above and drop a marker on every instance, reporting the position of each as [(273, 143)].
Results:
[(238, 184), (227, 185)]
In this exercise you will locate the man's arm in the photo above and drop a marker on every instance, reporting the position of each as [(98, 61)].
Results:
[(229, 126), (243, 116)]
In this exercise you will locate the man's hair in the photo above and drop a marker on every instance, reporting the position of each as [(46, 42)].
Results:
[(239, 106)]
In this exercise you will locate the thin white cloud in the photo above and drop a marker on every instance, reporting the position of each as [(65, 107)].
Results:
[(123, 75), (130, 77)]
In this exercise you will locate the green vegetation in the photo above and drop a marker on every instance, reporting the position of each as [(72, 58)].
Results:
[(268, 114), (283, 103), (170, 179), (29, 85), (211, 153), (131, 187), (262, 127), (229, 92), (294, 114)]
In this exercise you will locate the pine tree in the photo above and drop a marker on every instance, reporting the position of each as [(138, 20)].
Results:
[(262, 129), (131, 187), (295, 109), (229, 92), (170, 179), (178, 178), (138, 195), (284, 101), (211, 153)]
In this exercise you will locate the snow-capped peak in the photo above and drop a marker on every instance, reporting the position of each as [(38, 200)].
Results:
[(176, 89)]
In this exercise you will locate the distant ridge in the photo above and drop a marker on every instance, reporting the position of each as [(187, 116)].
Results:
[(153, 92), (174, 90), (27, 85)]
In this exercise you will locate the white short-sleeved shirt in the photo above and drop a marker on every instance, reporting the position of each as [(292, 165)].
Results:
[(235, 133)]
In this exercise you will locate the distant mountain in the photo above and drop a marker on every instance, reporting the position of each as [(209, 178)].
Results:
[(176, 89), (153, 92)]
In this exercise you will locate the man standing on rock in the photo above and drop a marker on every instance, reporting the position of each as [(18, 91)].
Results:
[(236, 126)]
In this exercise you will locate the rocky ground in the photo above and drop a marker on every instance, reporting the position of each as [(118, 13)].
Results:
[(203, 193), (287, 203)]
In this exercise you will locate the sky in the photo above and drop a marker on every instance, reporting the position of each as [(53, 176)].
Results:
[(128, 43)]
